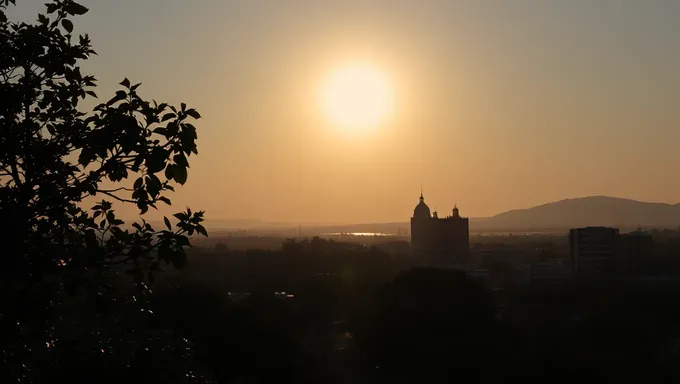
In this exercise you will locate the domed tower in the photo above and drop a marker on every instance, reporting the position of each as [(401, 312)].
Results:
[(439, 242), (422, 211), (419, 226)]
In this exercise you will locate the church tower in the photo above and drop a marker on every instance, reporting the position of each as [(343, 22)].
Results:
[(419, 225), (437, 241)]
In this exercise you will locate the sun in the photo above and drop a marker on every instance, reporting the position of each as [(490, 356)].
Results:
[(357, 96)]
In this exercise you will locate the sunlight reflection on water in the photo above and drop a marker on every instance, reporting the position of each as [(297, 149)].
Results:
[(357, 234)]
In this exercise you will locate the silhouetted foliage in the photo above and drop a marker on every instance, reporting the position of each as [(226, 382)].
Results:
[(222, 248), (355, 314), (439, 321), (55, 159)]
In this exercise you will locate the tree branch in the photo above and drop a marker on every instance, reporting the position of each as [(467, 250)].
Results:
[(130, 257), (115, 197), (116, 190), (15, 174)]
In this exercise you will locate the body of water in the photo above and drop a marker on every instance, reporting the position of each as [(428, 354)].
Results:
[(349, 234)]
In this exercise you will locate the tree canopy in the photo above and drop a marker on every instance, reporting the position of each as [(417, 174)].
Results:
[(64, 171), (54, 156)]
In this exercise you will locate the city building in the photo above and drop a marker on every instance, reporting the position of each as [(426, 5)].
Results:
[(635, 251), (603, 252), (594, 251), (439, 241), (549, 271)]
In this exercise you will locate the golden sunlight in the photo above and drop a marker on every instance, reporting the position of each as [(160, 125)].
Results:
[(357, 96)]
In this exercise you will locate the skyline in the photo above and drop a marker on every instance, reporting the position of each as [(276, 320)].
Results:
[(498, 106), (577, 212)]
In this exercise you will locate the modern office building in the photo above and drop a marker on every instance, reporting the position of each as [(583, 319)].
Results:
[(635, 251), (594, 251)]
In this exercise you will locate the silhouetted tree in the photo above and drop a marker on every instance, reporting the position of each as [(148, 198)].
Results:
[(222, 248), (291, 246), (429, 325), (54, 158)]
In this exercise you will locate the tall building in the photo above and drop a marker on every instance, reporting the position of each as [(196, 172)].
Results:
[(603, 252), (439, 241), (635, 251), (594, 251)]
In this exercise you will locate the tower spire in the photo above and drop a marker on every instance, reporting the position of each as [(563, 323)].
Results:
[(421, 193)]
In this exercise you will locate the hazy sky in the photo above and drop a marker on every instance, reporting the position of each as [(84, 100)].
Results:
[(500, 104)]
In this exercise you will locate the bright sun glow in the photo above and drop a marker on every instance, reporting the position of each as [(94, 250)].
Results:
[(357, 96)]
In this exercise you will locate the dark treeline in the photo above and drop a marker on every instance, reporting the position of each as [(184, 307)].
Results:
[(355, 314)]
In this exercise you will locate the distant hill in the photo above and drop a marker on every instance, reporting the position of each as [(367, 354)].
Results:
[(586, 211), (560, 215)]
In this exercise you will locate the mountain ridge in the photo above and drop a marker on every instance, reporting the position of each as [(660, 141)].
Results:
[(590, 211), (596, 210)]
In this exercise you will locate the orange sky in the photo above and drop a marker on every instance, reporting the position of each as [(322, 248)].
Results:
[(499, 105)]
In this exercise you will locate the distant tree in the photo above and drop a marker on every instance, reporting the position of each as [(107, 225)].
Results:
[(291, 246), (222, 248), (54, 157), (429, 325)]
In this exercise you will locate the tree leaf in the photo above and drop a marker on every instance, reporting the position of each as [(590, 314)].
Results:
[(156, 161), (125, 83), (170, 172), (181, 216), (153, 186), (181, 160), (167, 223), (75, 9), (120, 95), (180, 174), (138, 183), (67, 24), (201, 229), (165, 200), (193, 113), (85, 157)]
